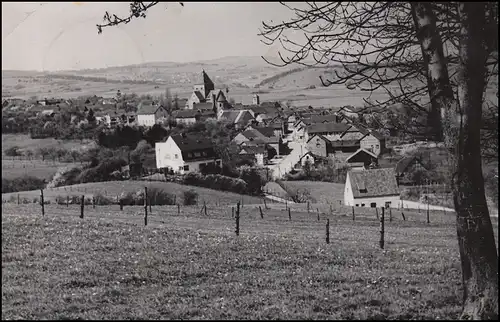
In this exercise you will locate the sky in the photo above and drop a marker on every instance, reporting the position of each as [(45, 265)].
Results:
[(50, 36)]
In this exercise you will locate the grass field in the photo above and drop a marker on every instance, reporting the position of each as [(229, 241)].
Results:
[(115, 188), (12, 169), (24, 142), (322, 192), (188, 266)]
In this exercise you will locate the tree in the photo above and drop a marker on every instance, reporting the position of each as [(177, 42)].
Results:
[(433, 58), (90, 116)]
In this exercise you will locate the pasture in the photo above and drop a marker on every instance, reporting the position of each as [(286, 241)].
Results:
[(12, 169), (321, 192), (24, 142), (108, 265), (112, 189)]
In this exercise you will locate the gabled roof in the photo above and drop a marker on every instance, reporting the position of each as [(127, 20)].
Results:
[(307, 153), (330, 127), (231, 116), (353, 157), (344, 143), (203, 106), (405, 162), (253, 149), (191, 142), (266, 131), (320, 136), (376, 182), (147, 107), (199, 95), (185, 114)]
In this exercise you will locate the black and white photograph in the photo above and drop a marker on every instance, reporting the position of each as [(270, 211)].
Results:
[(250, 160)]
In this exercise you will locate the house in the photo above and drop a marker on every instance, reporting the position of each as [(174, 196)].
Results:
[(240, 118), (184, 153), (330, 128), (192, 116), (149, 113), (374, 142), (372, 188), (361, 159), (278, 124), (319, 145), (259, 136), (307, 157), (344, 146), (257, 153), (408, 165)]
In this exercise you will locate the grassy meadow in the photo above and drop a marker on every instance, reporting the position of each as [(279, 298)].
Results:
[(12, 169), (321, 192), (190, 266), (113, 189)]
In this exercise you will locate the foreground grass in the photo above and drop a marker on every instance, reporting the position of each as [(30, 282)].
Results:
[(113, 189), (188, 266)]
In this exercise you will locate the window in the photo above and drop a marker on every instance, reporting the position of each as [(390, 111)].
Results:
[(197, 154), (176, 156), (186, 168), (180, 168), (387, 204), (217, 162), (362, 205), (357, 205), (377, 146), (204, 153), (373, 205), (189, 155)]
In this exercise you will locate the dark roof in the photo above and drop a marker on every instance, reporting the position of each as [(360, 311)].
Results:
[(330, 127), (405, 162), (204, 79), (185, 114), (266, 131), (147, 107), (253, 149), (377, 182), (323, 118), (359, 155), (191, 142), (199, 95), (203, 106), (230, 116), (345, 143)]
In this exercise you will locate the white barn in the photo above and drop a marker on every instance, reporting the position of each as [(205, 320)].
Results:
[(372, 188)]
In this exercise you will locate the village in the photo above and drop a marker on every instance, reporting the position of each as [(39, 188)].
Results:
[(282, 140)]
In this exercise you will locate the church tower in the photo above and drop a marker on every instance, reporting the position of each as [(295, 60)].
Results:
[(204, 84)]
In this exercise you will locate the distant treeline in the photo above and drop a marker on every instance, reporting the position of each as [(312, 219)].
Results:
[(103, 79)]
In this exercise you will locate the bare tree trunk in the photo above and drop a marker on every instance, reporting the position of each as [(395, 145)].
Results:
[(475, 233), (438, 81), (460, 128)]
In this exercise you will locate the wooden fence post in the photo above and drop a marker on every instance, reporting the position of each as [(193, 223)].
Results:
[(390, 215), (232, 212), (381, 242), (205, 207), (328, 231), (289, 214), (67, 201), (18, 201), (82, 206), (428, 216), (237, 231), (93, 202), (178, 209), (175, 199), (286, 204), (353, 216), (376, 211), (261, 213), (318, 213), (145, 206), (308, 207), (403, 215), (121, 204), (42, 202)]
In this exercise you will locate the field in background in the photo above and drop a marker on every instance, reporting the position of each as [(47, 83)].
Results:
[(191, 266), (322, 192), (24, 142), (12, 169), (113, 189)]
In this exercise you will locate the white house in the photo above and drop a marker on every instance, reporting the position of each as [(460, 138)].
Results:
[(307, 157), (372, 188), (148, 114), (184, 153)]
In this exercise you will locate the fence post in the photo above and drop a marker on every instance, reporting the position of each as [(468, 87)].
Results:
[(289, 214), (175, 199), (42, 202), (82, 206), (261, 213), (381, 243), (353, 216), (205, 207), (308, 207), (376, 211), (145, 206), (318, 213), (428, 217), (237, 219), (328, 231), (67, 201), (93, 202), (403, 215), (286, 204), (121, 204), (232, 212), (390, 215), (178, 209), (18, 201)]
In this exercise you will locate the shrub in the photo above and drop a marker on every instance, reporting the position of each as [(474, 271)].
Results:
[(102, 200), (159, 197), (24, 183), (255, 179), (65, 176), (12, 151), (217, 182), (190, 197), (102, 172)]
